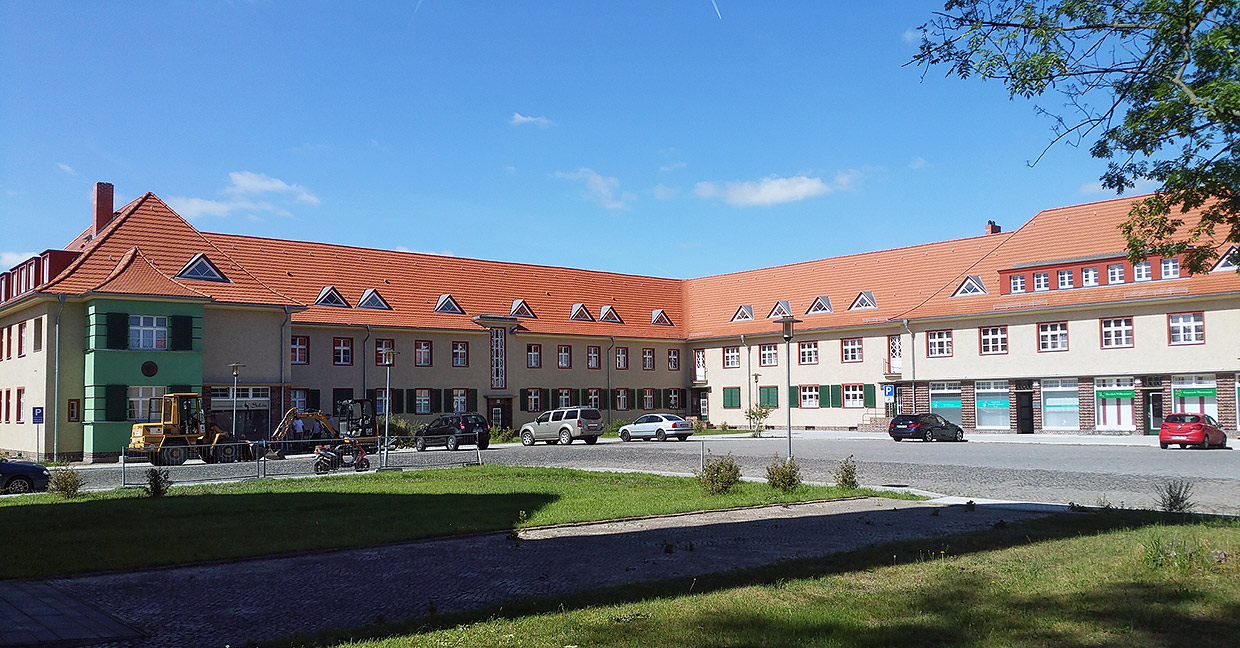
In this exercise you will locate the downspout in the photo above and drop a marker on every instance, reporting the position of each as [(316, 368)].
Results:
[(56, 386), (363, 361), (610, 362), (748, 367), (284, 344), (912, 343)]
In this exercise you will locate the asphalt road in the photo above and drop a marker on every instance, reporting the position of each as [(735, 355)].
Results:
[(1089, 474)]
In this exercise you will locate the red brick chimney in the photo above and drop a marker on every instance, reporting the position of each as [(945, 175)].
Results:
[(103, 206), (992, 228)]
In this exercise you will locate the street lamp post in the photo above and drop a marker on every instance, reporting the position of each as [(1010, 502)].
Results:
[(389, 359), (236, 368), (786, 323)]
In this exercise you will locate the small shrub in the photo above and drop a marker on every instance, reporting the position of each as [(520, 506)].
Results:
[(699, 426), (757, 415), (846, 474), (724, 426), (504, 435), (719, 475), (613, 428), (66, 481), (1175, 496), (157, 482), (783, 475)]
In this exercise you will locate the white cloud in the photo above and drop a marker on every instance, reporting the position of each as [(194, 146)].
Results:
[(664, 192), (10, 259), (401, 248), (248, 183), (911, 36), (518, 119), (599, 188), (66, 168), (918, 163), (672, 166), (774, 190), (1092, 188), (195, 208)]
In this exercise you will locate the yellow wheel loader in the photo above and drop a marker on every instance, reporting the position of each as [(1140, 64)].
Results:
[(181, 433)]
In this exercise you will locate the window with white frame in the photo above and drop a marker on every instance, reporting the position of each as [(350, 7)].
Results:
[(808, 353), (533, 356), (1113, 404), (342, 351), (647, 359), (768, 355), (1061, 408), (1053, 336), (673, 359), (1117, 333), (148, 332), (381, 401), (1041, 281), (1170, 268), (1186, 328), (1065, 279), (297, 398), (593, 357), (939, 344), (994, 340), (594, 398), (421, 401), (1018, 283), (566, 397), (673, 399), (1141, 271), (731, 357), (1115, 273), (809, 396), (145, 403), (993, 407), (850, 350), (854, 395), (460, 354), (622, 358), (564, 356), (299, 349), (382, 347), (1089, 276), (945, 400), (422, 353), (460, 400), (622, 399), (648, 398)]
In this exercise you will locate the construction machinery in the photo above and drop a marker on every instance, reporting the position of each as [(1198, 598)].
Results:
[(356, 420), (182, 432)]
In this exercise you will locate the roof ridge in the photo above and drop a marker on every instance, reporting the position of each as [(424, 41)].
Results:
[(95, 241), (1095, 202)]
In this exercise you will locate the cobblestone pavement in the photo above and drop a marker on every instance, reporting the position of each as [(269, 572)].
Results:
[(214, 605)]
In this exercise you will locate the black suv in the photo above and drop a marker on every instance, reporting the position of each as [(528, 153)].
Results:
[(928, 427), (451, 430)]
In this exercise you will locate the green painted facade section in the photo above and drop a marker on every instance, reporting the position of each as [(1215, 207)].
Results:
[(104, 366)]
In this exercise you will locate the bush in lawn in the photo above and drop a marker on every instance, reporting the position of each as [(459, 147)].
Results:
[(757, 415), (504, 435), (157, 482), (613, 428), (719, 475), (783, 475), (1175, 496), (66, 481), (846, 474), (724, 426)]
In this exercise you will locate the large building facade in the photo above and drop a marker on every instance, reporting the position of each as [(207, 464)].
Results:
[(1048, 328)]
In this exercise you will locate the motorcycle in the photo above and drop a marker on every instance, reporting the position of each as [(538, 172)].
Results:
[(328, 459)]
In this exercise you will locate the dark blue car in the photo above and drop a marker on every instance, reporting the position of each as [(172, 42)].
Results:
[(927, 427), (22, 476)]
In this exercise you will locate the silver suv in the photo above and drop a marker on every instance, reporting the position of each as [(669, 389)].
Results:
[(563, 425)]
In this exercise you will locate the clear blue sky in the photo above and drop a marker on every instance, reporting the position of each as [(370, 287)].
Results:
[(633, 136)]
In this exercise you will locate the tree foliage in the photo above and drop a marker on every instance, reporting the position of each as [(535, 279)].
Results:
[(1155, 83)]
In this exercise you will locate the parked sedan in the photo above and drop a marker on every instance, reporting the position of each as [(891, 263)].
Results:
[(658, 427), (927, 427), (453, 430), (22, 476), (1199, 430)]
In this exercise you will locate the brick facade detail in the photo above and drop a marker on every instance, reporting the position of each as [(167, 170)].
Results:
[(968, 406)]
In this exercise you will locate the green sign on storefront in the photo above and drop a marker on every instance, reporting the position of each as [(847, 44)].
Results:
[(992, 404), (1114, 393), (1194, 392)]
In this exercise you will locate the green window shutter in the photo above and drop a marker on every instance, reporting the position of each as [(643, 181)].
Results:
[(471, 400), (182, 333), (547, 403), (398, 401), (731, 397), (370, 395), (824, 395), (684, 399), (411, 401), (116, 401), (436, 401), (447, 399), (837, 395), (117, 329), (658, 399), (870, 399), (633, 404), (794, 396), (312, 399), (524, 398)]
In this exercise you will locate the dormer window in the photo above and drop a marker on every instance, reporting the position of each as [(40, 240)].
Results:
[(659, 318), (372, 299), (521, 309), (822, 304), (447, 304), (200, 268), (780, 309), (580, 313), (329, 296), (1227, 260), (864, 300), (972, 285), (743, 314), (609, 314)]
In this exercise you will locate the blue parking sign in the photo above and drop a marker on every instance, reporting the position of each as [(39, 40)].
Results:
[(36, 414)]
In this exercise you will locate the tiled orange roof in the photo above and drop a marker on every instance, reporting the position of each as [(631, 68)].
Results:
[(412, 284), (134, 275), (899, 280), (1062, 234)]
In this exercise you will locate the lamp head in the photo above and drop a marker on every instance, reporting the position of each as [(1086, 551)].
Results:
[(786, 323)]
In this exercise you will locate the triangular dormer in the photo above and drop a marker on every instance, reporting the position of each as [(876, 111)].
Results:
[(372, 299), (200, 268), (780, 309), (1227, 260), (609, 314), (864, 300), (743, 314), (447, 304), (659, 318), (972, 285), (521, 309), (329, 296), (580, 313), (822, 304)]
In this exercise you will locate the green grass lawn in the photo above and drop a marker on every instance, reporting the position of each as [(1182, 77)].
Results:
[(1109, 579), (124, 529)]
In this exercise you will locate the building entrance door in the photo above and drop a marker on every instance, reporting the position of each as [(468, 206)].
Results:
[(1153, 411), (499, 412), (1024, 412)]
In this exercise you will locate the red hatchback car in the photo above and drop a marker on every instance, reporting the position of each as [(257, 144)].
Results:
[(1199, 430)]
